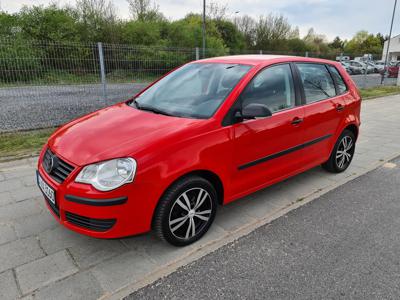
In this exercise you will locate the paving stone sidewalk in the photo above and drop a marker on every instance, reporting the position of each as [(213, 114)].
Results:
[(39, 259)]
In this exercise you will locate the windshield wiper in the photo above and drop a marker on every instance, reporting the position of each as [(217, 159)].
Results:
[(152, 109), (155, 110)]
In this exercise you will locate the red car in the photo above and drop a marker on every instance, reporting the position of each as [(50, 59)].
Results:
[(393, 69), (206, 134)]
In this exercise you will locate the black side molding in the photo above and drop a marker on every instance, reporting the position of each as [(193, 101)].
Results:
[(96, 202), (284, 152)]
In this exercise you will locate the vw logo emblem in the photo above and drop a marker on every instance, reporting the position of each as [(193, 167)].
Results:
[(52, 164)]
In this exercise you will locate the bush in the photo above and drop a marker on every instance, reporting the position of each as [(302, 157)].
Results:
[(19, 61)]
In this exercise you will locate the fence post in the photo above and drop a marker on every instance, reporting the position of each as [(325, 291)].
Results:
[(197, 53), (365, 75), (306, 54), (102, 71), (260, 52)]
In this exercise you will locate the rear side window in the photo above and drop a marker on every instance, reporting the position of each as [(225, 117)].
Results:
[(342, 88), (317, 82)]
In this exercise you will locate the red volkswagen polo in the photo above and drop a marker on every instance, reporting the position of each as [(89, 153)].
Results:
[(207, 133)]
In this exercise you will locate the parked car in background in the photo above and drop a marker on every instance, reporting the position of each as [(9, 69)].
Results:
[(347, 67), (206, 134), (380, 65), (369, 67), (342, 58), (372, 67), (393, 69), (356, 67)]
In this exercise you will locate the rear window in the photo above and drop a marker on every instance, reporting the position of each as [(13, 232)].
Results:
[(342, 88), (317, 82)]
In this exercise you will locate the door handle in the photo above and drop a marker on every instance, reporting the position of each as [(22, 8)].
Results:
[(297, 120), (339, 107)]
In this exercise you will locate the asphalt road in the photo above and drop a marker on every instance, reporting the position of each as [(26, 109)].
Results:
[(343, 245), (45, 106)]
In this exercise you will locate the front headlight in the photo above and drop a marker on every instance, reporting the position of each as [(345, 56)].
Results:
[(108, 175)]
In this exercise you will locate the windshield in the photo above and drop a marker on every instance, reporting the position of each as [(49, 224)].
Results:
[(195, 90)]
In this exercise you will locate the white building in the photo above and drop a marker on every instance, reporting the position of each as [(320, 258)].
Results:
[(394, 49)]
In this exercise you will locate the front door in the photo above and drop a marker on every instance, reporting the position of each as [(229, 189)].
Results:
[(265, 149)]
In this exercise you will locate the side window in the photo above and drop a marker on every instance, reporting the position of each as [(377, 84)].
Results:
[(342, 88), (317, 82), (272, 87)]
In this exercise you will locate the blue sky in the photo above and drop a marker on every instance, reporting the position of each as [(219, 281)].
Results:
[(329, 17)]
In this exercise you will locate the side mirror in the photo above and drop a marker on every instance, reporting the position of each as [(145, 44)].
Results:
[(254, 110)]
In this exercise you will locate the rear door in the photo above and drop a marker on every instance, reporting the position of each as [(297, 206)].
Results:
[(324, 106)]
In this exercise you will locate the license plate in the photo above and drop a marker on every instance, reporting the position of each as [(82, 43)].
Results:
[(47, 190)]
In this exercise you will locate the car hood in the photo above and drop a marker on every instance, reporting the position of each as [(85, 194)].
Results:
[(117, 131)]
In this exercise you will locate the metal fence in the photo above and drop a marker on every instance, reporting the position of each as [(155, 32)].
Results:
[(44, 84)]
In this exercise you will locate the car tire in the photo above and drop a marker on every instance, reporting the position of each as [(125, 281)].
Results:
[(342, 153), (186, 211)]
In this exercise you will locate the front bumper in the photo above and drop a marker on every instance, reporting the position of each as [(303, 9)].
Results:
[(125, 211)]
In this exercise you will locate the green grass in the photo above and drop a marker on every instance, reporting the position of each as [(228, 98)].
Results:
[(23, 143), (379, 91)]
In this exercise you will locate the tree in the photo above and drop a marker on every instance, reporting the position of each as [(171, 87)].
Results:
[(216, 11), (337, 44), (272, 32), (364, 43), (295, 33), (8, 25), (142, 33), (50, 23), (247, 26), (316, 42), (187, 33), (382, 38), (230, 35), (297, 46), (98, 20), (145, 11)]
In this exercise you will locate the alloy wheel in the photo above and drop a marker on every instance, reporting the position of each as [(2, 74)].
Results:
[(344, 152), (190, 213)]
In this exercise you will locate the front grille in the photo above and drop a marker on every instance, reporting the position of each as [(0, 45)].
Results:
[(56, 167), (89, 223)]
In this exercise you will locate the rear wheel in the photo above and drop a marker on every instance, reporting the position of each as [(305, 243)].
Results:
[(342, 154), (186, 211)]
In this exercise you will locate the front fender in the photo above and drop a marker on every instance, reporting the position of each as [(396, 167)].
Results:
[(207, 152)]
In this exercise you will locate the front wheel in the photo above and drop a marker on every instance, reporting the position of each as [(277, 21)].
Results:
[(186, 211), (342, 154)]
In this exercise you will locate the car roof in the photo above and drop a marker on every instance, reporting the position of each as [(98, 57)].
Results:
[(258, 59)]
